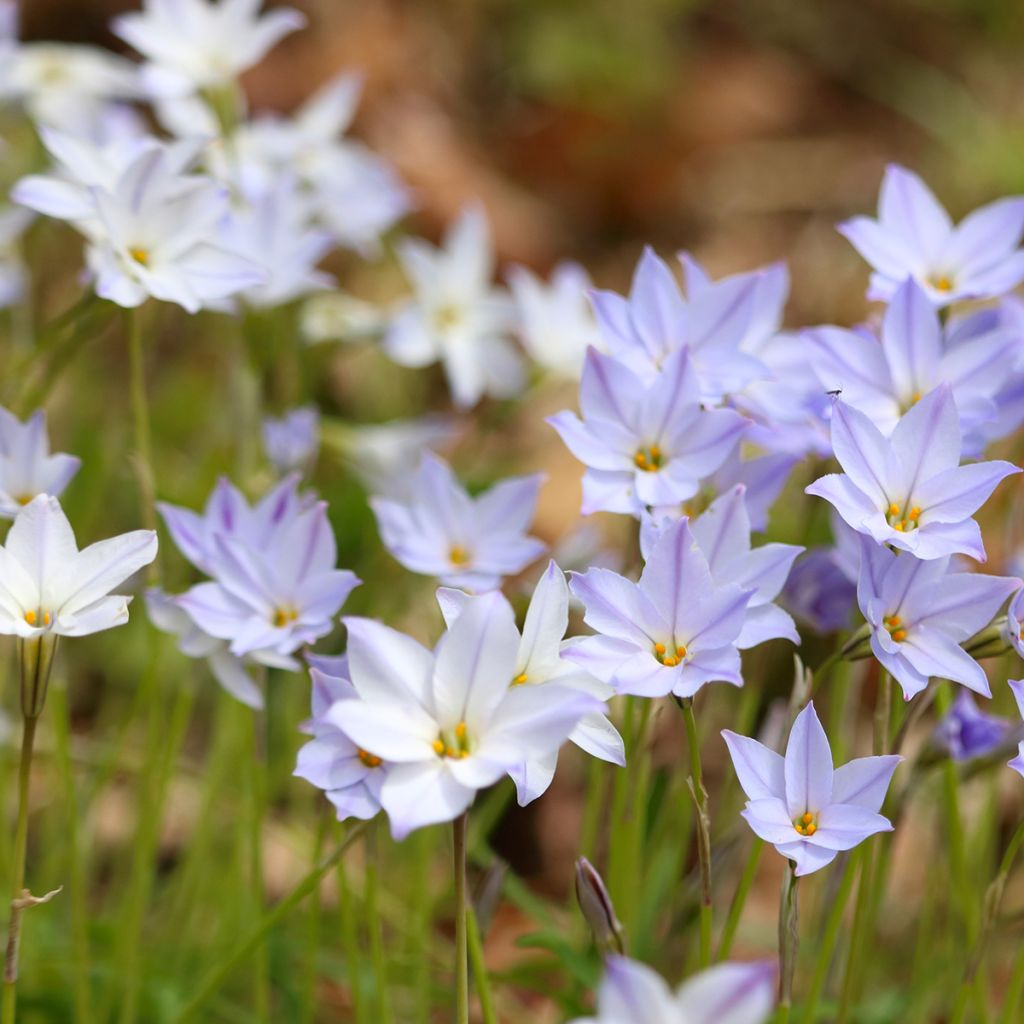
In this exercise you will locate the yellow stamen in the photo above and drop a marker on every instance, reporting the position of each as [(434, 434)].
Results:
[(941, 282), (452, 752), (46, 618), (460, 730), (284, 616), (648, 459), (807, 818), (669, 661), (368, 759), (659, 649), (30, 618), (140, 255), (438, 747), (681, 651), (892, 620), (899, 634), (458, 555), (914, 514), (519, 679), (811, 829), (900, 526), (894, 509)]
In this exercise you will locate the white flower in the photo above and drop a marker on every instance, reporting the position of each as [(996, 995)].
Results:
[(338, 316), (557, 322), (48, 586), (194, 44), (26, 466), (457, 315), (539, 662), (446, 721)]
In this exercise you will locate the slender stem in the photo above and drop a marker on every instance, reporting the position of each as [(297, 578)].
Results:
[(739, 899), (789, 938), (257, 813), (213, 981), (856, 936), (28, 736), (1014, 991), (350, 942), (480, 976), (700, 798), (422, 911), (307, 1011), (461, 938), (375, 922), (829, 939), (143, 442)]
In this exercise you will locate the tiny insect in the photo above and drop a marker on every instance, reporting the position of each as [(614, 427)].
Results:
[(834, 393)]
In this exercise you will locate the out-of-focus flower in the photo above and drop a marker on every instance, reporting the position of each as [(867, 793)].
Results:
[(919, 613), (597, 907), (229, 670), (447, 721), (338, 316), (13, 223), (228, 514), (48, 586), (539, 662), (1015, 622), (457, 316), (350, 777), (465, 542), (274, 231), (909, 490), (645, 444), (805, 809), (386, 456), (967, 732), (61, 84), (914, 237), (196, 44), (557, 324), (819, 592), (672, 632), (292, 441), (722, 532), (729, 993), (1017, 686), (356, 195), (275, 598), (644, 330), (26, 466), (885, 377), (154, 232)]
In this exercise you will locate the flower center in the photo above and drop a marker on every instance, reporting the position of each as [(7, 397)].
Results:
[(453, 743), (806, 824), (458, 555), (140, 255), (447, 317), (33, 617), (520, 679), (897, 630), (667, 658), (368, 759), (648, 459), (284, 616), (902, 519), (940, 282)]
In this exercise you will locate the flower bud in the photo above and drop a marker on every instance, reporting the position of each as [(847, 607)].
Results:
[(35, 658), (596, 905), (992, 641)]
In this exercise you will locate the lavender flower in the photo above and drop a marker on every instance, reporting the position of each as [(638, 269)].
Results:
[(886, 377), (722, 533), (447, 721), (1017, 686), (919, 613), (805, 809), (644, 444), (909, 490), (26, 466), (728, 993), (914, 237), (466, 542), (672, 632), (967, 732), (292, 441), (540, 661), (350, 777)]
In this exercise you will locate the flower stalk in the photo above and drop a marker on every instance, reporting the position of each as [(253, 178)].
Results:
[(703, 821), (461, 936), (789, 938)]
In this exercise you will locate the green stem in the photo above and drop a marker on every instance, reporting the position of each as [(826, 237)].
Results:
[(143, 461), (829, 939), (257, 813), (77, 880), (213, 981), (461, 938), (1014, 991), (700, 798), (789, 938), (307, 1011), (422, 912), (739, 899), (350, 941), (856, 936), (375, 923), (18, 892), (480, 976)]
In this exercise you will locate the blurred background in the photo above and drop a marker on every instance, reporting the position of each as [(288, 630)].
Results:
[(738, 131)]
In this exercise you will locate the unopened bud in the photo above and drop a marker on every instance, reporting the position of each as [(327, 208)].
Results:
[(596, 905), (35, 657), (992, 641)]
